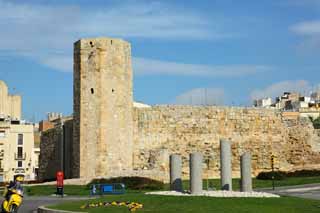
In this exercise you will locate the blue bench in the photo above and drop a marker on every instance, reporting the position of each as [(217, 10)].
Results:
[(112, 188)]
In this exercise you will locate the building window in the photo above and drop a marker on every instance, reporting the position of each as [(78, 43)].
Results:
[(2, 134), (19, 164), (20, 139), (20, 152)]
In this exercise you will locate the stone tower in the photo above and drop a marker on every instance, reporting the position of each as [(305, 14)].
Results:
[(103, 102)]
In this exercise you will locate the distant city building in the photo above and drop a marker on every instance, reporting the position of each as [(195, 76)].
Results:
[(10, 105), (53, 119), (264, 102), (304, 102), (54, 115), (17, 152), (45, 125), (310, 112), (315, 96), (285, 101), (293, 105)]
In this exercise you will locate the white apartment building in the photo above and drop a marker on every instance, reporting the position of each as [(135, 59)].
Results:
[(17, 152), (264, 102)]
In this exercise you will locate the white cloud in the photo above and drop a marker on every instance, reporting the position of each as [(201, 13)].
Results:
[(151, 66), (144, 66), (302, 3), (46, 33), (310, 32), (307, 28), (59, 62), (276, 89), (201, 96), (149, 20)]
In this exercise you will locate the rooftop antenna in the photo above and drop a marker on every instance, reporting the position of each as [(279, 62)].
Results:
[(34, 117), (205, 96)]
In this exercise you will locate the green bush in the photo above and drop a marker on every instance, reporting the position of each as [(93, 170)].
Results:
[(316, 123), (304, 173), (135, 183), (278, 175)]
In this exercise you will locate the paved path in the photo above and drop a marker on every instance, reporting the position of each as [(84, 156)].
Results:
[(311, 191), (30, 204)]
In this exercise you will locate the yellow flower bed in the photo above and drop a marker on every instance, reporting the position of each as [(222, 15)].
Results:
[(132, 206)]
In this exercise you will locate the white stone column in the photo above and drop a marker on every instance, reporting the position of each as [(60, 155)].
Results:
[(246, 180), (175, 173), (196, 173), (225, 164)]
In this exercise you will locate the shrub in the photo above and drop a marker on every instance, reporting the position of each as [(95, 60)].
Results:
[(278, 175), (304, 173), (135, 183), (316, 123)]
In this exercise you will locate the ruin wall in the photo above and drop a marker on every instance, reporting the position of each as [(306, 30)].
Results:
[(163, 130), (56, 150), (50, 154)]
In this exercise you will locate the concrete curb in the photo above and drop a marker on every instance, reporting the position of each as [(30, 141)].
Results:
[(43, 209), (299, 189)]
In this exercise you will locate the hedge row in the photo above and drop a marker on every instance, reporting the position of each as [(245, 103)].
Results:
[(280, 175)]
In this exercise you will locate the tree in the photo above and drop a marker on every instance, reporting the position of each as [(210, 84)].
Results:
[(316, 123)]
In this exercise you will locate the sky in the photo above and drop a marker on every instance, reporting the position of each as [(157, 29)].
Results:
[(216, 52)]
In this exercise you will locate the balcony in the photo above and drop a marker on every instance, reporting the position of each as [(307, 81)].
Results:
[(19, 170), (19, 156)]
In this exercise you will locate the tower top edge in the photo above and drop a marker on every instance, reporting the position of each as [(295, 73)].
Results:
[(98, 41), (3, 84)]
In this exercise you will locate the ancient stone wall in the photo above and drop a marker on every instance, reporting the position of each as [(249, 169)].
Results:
[(56, 150), (184, 129), (68, 149), (303, 144), (163, 130), (50, 154), (113, 138)]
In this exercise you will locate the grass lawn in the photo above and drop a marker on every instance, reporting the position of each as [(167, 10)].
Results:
[(153, 203), (213, 183), (51, 189)]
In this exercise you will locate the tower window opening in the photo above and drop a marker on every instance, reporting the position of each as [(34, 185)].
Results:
[(91, 43), (111, 42), (92, 91), (112, 90)]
